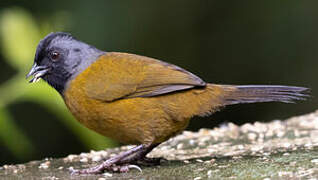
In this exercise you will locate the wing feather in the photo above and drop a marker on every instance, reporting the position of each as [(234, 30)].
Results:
[(121, 75)]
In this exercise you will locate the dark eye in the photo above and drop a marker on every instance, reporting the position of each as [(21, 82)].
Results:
[(55, 55)]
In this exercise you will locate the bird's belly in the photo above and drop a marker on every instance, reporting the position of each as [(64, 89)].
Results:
[(130, 121)]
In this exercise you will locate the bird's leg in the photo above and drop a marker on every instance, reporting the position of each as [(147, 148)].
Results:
[(140, 158), (121, 162)]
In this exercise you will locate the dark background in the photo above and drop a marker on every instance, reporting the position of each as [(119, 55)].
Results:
[(228, 42)]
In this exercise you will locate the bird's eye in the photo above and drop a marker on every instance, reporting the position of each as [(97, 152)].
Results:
[(55, 55)]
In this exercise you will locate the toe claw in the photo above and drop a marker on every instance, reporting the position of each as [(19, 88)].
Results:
[(135, 167)]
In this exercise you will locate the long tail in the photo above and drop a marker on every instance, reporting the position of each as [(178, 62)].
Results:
[(262, 93), (205, 101)]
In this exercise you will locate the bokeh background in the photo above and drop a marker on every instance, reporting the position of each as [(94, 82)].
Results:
[(229, 42)]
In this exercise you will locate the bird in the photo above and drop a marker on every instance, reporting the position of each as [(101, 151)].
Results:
[(135, 99)]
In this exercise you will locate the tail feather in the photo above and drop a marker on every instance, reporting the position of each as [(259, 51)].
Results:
[(263, 93)]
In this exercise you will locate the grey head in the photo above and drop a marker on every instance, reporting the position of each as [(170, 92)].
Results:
[(59, 58)]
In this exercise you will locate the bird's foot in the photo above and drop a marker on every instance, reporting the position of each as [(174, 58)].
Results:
[(99, 169), (122, 162)]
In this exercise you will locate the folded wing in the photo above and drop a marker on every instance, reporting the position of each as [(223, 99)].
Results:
[(120, 75)]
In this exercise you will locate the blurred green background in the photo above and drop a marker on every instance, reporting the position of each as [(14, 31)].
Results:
[(229, 42)]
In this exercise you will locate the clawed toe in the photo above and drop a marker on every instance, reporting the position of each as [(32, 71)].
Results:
[(124, 168), (94, 170), (135, 167), (100, 169)]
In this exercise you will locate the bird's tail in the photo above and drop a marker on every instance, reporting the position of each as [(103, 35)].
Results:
[(237, 94), (204, 101)]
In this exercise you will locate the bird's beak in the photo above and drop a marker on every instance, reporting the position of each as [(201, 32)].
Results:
[(37, 72)]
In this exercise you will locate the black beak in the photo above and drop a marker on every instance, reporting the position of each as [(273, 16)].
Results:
[(37, 72)]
